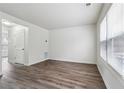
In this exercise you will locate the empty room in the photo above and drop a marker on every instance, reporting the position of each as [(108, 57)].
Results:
[(61, 46)]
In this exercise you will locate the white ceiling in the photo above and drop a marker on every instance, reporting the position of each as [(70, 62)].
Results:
[(54, 15)]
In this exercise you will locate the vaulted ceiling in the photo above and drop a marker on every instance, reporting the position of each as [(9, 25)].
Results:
[(54, 15)]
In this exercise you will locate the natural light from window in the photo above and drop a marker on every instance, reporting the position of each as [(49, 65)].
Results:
[(112, 38)]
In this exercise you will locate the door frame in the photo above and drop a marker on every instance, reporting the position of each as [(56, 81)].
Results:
[(13, 60), (14, 20)]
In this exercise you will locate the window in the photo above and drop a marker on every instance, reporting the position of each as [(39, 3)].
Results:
[(112, 50), (115, 37)]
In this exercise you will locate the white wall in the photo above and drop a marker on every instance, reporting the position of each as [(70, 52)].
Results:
[(37, 45), (111, 78), (76, 44), (32, 39)]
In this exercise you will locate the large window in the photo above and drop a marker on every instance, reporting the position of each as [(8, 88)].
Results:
[(112, 29)]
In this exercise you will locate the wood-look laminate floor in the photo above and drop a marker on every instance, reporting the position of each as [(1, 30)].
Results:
[(51, 75)]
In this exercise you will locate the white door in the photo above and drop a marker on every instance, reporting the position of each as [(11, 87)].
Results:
[(19, 46)]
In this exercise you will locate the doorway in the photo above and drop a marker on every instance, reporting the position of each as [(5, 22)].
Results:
[(13, 42)]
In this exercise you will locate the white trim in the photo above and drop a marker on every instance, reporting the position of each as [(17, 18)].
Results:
[(106, 83), (113, 72), (37, 62), (86, 62)]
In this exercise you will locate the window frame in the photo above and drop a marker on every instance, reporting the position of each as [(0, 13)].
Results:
[(106, 60)]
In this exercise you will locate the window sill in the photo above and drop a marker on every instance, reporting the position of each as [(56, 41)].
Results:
[(113, 72), (112, 69)]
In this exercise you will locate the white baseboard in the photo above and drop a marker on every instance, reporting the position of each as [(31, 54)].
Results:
[(37, 62), (11, 61), (107, 85), (86, 62), (119, 81)]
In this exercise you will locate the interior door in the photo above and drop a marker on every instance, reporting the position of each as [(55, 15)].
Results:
[(19, 46)]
